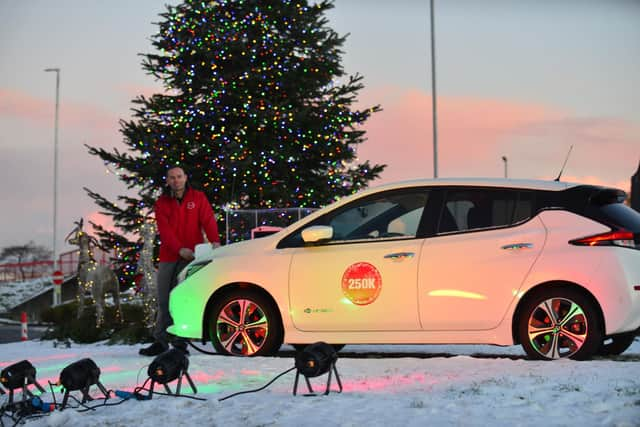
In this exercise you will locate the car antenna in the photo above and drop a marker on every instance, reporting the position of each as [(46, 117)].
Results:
[(564, 164)]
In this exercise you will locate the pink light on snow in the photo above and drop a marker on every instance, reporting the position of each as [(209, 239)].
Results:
[(205, 378), (112, 368), (388, 383), (35, 360)]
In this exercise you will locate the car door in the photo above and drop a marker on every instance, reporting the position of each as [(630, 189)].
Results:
[(365, 277), (472, 270)]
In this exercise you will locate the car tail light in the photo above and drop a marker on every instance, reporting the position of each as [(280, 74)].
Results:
[(622, 238)]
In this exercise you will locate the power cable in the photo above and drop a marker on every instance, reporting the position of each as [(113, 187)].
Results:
[(258, 389)]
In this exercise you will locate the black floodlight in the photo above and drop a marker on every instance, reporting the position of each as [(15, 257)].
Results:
[(315, 360), (19, 376), (81, 375), (169, 366)]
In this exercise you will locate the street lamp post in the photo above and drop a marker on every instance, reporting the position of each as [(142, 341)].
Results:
[(504, 159), (55, 179), (433, 92)]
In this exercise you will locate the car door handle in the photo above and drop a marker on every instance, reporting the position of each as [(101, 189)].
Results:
[(399, 256), (517, 246)]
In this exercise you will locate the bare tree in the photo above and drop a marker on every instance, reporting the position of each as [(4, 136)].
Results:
[(20, 254)]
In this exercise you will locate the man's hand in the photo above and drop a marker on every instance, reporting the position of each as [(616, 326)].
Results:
[(186, 254)]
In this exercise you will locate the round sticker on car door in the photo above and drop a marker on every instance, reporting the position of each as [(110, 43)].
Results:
[(361, 283)]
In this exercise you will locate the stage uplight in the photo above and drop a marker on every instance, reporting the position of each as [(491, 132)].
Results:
[(81, 375), (315, 360), (169, 366), (19, 376)]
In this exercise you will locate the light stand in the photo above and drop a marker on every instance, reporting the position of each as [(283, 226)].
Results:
[(19, 375), (81, 375), (171, 365), (315, 360)]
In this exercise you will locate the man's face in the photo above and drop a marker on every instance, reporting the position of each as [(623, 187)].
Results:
[(176, 179)]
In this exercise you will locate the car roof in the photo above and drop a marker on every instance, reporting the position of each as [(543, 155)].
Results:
[(524, 184), (527, 184)]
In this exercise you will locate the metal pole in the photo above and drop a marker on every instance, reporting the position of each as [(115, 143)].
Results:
[(55, 177), (504, 159), (433, 93)]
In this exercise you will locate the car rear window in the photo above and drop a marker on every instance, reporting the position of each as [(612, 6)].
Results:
[(479, 208)]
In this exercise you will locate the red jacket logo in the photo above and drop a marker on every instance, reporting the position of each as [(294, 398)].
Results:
[(191, 205)]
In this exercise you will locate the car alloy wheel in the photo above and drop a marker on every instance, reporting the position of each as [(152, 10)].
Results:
[(245, 324), (560, 324)]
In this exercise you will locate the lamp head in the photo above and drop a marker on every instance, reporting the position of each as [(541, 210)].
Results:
[(18, 375), (168, 366), (316, 359), (79, 375)]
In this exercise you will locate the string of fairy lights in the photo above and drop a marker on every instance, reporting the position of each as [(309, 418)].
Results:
[(146, 270), (226, 32), (91, 281), (254, 103)]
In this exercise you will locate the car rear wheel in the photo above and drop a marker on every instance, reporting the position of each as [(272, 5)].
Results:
[(616, 344), (559, 323), (245, 323)]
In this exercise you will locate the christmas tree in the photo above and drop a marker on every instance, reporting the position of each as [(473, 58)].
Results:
[(256, 106)]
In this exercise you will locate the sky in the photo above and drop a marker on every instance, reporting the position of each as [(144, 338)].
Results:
[(399, 386), (526, 80)]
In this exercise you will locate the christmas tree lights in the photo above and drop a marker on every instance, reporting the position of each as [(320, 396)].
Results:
[(256, 105)]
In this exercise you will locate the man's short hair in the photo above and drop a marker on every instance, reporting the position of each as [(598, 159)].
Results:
[(175, 167)]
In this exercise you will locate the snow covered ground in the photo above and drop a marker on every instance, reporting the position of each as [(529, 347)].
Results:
[(383, 386)]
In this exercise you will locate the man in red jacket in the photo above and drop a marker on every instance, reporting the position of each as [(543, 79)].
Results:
[(182, 214)]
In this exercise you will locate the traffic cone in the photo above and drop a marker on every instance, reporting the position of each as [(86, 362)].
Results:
[(23, 324)]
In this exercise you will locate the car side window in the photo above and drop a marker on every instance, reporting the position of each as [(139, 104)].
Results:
[(389, 215), (474, 209), (524, 207), (385, 216)]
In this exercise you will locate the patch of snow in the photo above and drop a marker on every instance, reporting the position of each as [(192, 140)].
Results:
[(497, 388)]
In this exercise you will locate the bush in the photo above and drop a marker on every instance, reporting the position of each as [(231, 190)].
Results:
[(66, 325)]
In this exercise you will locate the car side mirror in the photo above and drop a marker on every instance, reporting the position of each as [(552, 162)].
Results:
[(317, 233), (203, 251)]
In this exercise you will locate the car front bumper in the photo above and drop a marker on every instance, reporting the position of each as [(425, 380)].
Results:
[(186, 305)]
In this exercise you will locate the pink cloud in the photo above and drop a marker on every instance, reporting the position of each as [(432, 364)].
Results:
[(474, 133), (107, 223), (72, 115), (99, 219), (18, 104)]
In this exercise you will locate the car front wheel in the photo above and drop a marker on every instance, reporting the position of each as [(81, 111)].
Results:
[(245, 323), (559, 323)]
